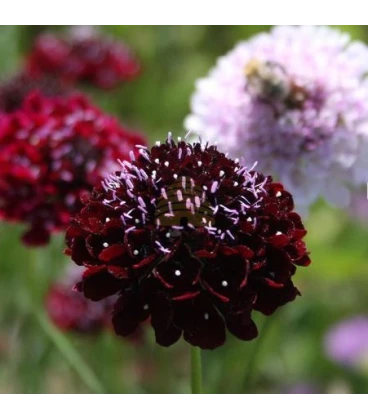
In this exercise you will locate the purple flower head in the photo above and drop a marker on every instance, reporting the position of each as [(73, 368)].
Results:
[(295, 100), (347, 342)]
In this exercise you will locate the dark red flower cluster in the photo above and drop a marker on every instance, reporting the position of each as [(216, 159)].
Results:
[(191, 239), (14, 91), (71, 311), (91, 58), (52, 150)]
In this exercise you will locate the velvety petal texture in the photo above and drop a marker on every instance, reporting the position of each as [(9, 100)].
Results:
[(190, 239)]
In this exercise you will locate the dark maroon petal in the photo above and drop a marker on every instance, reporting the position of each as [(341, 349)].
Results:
[(242, 326), (112, 253), (98, 283), (202, 324), (179, 271), (36, 236), (129, 312), (270, 298), (162, 315)]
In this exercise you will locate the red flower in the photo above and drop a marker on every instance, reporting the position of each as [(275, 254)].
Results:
[(52, 150), (71, 311), (87, 57), (14, 91), (193, 240)]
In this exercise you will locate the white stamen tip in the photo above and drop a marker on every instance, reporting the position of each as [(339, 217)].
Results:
[(145, 307), (157, 160), (224, 283), (278, 194), (166, 163), (136, 252), (108, 219), (199, 163), (105, 244), (249, 219), (222, 173), (137, 220), (177, 272), (278, 233), (206, 316), (168, 235)]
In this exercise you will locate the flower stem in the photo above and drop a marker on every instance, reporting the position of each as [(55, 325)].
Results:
[(254, 356), (196, 369)]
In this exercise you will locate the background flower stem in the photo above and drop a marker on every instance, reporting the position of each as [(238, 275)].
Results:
[(196, 370), (251, 367)]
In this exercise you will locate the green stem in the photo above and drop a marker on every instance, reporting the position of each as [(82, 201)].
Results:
[(59, 340), (254, 356), (70, 354), (196, 369)]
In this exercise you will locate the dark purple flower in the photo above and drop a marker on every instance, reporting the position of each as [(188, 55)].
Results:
[(190, 238)]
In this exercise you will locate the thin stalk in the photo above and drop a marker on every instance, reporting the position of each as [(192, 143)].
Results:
[(196, 370)]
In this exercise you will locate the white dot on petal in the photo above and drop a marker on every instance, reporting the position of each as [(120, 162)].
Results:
[(278, 194), (224, 283), (278, 233), (206, 316), (105, 244), (177, 272)]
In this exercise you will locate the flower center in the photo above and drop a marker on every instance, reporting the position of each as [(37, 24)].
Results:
[(269, 81), (184, 204)]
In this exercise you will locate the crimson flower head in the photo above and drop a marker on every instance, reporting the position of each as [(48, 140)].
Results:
[(51, 151), (192, 240), (83, 56)]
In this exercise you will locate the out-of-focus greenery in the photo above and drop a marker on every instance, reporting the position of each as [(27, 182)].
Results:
[(35, 358)]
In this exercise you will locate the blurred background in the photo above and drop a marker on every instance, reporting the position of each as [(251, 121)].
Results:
[(299, 348)]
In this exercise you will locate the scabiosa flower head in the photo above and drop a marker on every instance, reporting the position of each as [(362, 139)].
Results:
[(347, 342), (71, 311), (190, 238), (83, 56), (51, 151), (14, 91), (296, 100)]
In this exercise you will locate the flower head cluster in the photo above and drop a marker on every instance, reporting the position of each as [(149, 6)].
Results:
[(296, 99), (190, 239), (71, 311), (14, 91), (83, 56), (347, 342), (51, 151)]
